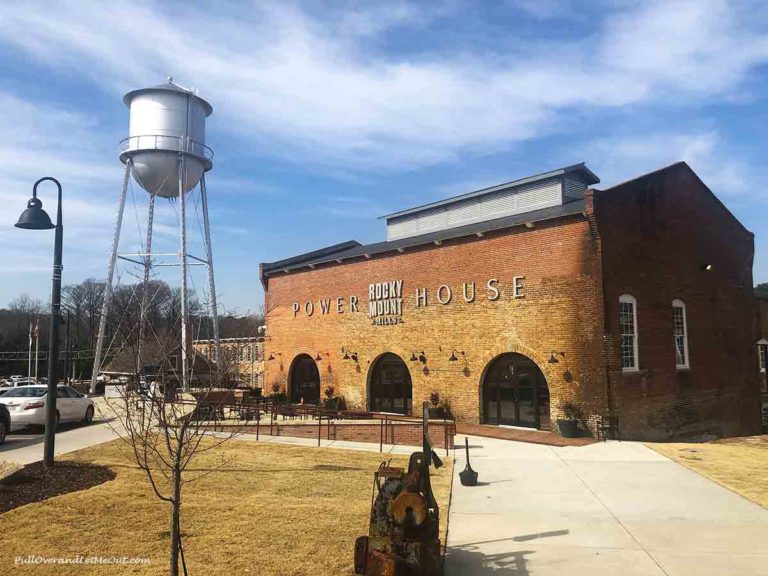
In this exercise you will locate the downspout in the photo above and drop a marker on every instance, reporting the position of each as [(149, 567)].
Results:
[(589, 213)]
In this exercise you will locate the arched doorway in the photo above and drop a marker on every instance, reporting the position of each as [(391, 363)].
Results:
[(515, 393), (304, 381), (390, 388)]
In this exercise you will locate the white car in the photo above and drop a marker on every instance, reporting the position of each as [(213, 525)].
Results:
[(27, 405), (10, 384)]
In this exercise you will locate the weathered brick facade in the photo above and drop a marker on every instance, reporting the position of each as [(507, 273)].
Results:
[(762, 348), (657, 232), (647, 238)]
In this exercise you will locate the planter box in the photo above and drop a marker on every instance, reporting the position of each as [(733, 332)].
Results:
[(568, 427)]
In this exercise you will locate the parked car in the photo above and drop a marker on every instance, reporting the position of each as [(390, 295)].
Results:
[(26, 405), (10, 384), (5, 422)]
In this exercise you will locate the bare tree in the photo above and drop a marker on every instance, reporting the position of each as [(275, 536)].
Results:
[(164, 430)]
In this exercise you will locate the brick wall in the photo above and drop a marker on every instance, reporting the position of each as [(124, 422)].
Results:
[(655, 233), (647, 238), (561, 310), (762, 334), (409, 434)]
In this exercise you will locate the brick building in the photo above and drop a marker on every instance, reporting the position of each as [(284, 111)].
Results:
[(244, 357), (762, 352), (516, 301)]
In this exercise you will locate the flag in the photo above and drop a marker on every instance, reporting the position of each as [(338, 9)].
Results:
[(36, 331), (30, 333)]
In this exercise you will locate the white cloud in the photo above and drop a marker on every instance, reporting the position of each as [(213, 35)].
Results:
[(621, 158), (314, 88)]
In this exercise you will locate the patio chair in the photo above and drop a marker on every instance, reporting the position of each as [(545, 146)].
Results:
[(608, 426)]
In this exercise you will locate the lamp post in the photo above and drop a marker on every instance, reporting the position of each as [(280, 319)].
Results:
[(35, 218)]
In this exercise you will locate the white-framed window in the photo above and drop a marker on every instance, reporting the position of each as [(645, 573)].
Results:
[(762, 355), (680, 324), (630, 361)]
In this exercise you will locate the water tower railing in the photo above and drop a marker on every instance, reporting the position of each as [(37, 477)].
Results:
[(165, 142)]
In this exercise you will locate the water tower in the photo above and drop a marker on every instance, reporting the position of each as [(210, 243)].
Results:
[(167, 156)]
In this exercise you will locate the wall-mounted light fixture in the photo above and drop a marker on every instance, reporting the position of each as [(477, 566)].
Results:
[(706, 267), (319, 356), (552, 357), (420, 356), (455, 355), (347, 355), (272, 356)]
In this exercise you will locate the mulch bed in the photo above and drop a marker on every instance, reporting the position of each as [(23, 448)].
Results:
[(35, 482)]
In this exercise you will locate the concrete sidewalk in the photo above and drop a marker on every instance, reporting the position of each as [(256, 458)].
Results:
[(27, 447), (604, 509)]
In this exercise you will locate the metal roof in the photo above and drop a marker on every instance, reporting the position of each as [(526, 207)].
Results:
[(338, 252), (588, 177), (304, 259), (167, 86)]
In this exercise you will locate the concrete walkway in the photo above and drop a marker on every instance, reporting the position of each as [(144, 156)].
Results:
[(617, 508), (26, 447)]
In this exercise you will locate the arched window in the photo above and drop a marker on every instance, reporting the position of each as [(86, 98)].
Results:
[(390, 387), (304, 380), (680, 323), (630, 361)]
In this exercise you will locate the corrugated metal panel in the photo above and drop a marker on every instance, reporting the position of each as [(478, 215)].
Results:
[(495, 205), (574, 188), (535, 197), (516, 200), (432, 220), (401, 228), (462, 212)]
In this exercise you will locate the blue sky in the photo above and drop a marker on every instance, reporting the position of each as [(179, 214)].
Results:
[(329, 115)]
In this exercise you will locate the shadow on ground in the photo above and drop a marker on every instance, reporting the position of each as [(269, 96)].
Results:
[(35, 483), (469, 558)]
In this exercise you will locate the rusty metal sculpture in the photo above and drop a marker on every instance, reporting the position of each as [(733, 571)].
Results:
[(404, 532)]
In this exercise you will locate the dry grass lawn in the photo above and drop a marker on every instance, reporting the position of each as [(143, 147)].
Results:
[(272, 510), (740, 464)]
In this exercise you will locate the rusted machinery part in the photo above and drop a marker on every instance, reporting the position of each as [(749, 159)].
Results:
[(361, 554), (381, 517), (387, 564), (409, 509)]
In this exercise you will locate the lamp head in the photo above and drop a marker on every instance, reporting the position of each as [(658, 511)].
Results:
[(552, 359), (34, 217), (455, 355)]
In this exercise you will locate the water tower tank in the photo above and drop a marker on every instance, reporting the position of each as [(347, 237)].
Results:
[(165, 120)]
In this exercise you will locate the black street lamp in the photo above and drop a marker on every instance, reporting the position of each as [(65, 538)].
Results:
[(35, 218)]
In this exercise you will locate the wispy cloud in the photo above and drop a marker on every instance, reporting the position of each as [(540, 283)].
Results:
[(619, 158), (316, 90)]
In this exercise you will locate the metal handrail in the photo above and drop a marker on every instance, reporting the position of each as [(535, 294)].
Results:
[(181, 144)]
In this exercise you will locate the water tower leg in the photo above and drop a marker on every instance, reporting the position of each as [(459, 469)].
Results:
[(145, 285), (108, 284), (211, 282), (183, 266)]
